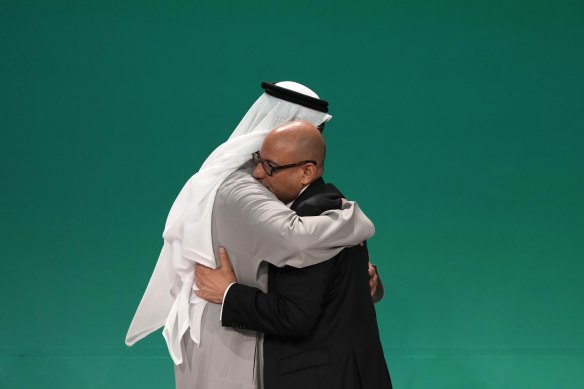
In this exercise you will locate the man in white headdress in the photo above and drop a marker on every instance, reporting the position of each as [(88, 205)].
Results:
[(221, 205)]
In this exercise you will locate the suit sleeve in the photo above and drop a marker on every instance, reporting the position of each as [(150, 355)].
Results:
[(291, 310), (295, 300)]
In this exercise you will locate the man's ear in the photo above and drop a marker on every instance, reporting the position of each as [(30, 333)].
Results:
[(309, 173)]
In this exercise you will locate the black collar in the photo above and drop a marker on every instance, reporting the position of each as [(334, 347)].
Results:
[(314, 188)]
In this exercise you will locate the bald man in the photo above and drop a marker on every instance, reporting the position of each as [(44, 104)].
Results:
[(319, 322)]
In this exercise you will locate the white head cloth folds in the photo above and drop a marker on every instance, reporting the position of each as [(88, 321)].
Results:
[(187, 235)]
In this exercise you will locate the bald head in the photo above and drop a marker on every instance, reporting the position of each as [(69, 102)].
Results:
[(285, 153), (301, 140)]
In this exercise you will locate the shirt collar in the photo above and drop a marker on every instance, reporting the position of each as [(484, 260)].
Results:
[(292, 202)]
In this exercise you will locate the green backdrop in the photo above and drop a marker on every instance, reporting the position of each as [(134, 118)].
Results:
[(458, 127)]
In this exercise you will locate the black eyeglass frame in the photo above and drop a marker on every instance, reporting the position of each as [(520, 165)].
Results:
[(269, 166)]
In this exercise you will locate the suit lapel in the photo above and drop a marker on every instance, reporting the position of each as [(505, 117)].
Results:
[(316, 187)]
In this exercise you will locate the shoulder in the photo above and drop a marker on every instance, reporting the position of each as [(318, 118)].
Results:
[(325, 198), (240, 185), (241, 194)]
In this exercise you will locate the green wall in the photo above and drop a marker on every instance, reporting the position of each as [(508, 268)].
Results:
[(458, 126)]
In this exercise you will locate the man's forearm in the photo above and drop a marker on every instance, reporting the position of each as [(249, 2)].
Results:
[(292, 310)]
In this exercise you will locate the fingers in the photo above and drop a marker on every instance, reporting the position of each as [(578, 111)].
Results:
[(209, 296), (199, 281), (201, 268), (224, 259), (202, 274), (373, 285), (373, 279)]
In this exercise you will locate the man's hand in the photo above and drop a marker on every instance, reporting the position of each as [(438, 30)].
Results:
[(373, 279), (213, 283)]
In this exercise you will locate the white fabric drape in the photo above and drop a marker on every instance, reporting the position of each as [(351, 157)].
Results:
[(168, 299)]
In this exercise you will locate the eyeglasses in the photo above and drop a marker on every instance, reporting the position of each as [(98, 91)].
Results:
[(269, 166)]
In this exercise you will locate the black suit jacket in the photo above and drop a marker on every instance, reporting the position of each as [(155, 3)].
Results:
[(319, 322)]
